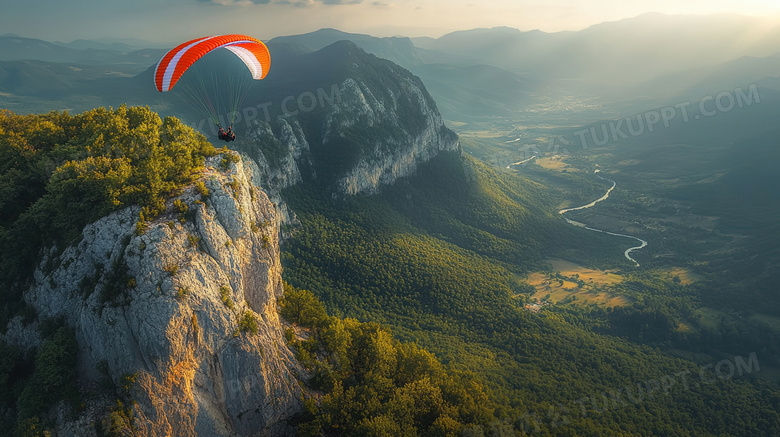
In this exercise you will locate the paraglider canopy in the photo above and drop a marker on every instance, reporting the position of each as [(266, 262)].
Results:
[(215, 90), (251, 51)]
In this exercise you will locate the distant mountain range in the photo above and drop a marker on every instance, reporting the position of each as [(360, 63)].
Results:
[(631, 49), (116, 44), (119, 56), (652, 58), (397, 49), (475, 75)]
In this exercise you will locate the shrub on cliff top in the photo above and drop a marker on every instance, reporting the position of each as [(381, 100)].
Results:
[(60, 172)]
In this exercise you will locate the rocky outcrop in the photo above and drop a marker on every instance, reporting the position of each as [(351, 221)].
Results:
[(376, 123), (275, 160), (167, 306), (393, 156)]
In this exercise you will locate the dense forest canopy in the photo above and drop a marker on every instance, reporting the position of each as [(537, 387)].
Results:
[(437, 259)]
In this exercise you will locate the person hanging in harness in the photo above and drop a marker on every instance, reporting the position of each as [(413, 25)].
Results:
[(226, 135)]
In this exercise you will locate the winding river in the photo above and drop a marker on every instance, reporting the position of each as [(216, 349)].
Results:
[(628, 251), (520, 162)]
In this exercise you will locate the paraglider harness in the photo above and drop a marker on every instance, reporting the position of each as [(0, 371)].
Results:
[(226, 136)]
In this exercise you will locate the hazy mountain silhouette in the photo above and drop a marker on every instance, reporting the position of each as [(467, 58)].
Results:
[(133, 61), (400, 50), (623, 52), (481, 73)]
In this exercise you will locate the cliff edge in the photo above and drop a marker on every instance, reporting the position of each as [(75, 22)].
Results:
[(184, 306)]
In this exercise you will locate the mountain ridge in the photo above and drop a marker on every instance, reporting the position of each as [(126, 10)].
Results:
[(378, 124)]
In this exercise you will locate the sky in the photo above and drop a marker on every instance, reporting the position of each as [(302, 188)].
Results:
[(168, 21)]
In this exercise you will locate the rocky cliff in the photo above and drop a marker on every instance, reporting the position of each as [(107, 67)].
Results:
[(386, 158), (369, 123), (187, 306)]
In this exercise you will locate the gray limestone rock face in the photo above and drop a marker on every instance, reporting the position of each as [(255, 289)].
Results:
[(280, 149), (389, 158), (166, 304)]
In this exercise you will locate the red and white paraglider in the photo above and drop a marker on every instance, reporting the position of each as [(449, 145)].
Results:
[(174, 64)]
